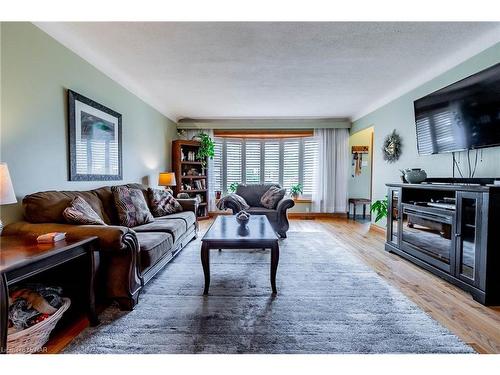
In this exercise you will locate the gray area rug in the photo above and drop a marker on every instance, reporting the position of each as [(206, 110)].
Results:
[(328, 302)]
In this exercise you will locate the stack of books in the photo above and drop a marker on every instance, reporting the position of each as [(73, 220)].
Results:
[(51, 237)]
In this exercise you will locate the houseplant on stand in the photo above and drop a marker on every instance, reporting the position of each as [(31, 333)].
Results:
[(206, 150)]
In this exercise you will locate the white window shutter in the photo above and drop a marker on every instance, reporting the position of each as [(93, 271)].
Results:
[(310, 160), (291, 163), (234, 158), (271, 161), (253, 155), (217, 165)]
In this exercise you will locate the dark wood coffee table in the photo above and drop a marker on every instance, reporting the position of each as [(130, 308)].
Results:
[(226, 233)]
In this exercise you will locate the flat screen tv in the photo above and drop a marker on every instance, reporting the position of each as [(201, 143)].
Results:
[(462, 116)]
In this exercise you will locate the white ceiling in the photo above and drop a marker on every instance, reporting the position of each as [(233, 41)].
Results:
[(253, 69)]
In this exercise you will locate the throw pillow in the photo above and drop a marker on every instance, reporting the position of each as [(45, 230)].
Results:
[(271, 197), (163, 203), (80, 212), (131, 206)]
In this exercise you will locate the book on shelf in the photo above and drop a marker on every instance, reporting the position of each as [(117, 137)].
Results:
[(199, 184)]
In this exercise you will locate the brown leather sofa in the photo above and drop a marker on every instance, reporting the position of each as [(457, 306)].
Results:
[(129, 257)]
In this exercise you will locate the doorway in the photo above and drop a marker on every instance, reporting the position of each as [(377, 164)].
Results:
[(361, 170)]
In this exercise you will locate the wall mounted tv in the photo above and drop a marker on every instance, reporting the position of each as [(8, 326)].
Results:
[(462, 116)]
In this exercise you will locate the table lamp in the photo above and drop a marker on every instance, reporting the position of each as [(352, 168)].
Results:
[(7, 195), (167, 179)]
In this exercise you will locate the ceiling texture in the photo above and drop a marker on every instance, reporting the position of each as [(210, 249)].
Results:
[(268, 70)]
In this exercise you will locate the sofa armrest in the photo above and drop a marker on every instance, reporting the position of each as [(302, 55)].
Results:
[(189, 204), (284, 205), (111, 237), (282, 219), (232, 206), (120, 252)]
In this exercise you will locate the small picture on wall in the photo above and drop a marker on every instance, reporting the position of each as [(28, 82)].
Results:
[(95, 140)]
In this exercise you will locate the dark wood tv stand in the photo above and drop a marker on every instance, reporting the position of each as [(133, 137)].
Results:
[(451, 230)]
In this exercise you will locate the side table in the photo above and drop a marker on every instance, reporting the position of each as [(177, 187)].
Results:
[(355, 202), (21, 258)]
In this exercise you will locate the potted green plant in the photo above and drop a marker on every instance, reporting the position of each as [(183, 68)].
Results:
[(232, 188), (206, 149), (296, 190), (379, 207)]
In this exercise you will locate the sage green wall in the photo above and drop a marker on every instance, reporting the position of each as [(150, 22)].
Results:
[(36, 71), (399, 115)]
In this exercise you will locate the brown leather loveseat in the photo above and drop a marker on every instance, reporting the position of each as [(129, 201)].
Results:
[(129, 257)]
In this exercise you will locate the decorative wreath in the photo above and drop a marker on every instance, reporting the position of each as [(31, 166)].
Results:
[(392, 147)]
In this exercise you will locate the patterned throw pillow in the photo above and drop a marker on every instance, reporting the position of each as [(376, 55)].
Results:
[(163, 203), (80, 212), (131, 206), (271, 197)]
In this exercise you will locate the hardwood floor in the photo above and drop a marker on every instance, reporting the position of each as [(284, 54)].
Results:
[(475, 324)]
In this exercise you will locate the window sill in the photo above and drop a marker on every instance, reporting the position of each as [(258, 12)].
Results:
[(302, 200)]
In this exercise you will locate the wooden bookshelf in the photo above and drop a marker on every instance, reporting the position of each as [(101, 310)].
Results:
[(190, 172), (192, 177)]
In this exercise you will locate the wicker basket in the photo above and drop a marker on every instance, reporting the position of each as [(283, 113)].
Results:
[(31, 340)]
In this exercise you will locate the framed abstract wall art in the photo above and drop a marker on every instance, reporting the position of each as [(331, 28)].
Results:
[(95, 140)]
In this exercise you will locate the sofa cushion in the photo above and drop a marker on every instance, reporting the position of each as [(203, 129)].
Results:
[(108, 203), (48, 206), (175, 227), (261, 210), (131, 206), (80, 212), (154, 245), (187, 216), (270, 213), (162, 203), (253, 192), (271, 197)]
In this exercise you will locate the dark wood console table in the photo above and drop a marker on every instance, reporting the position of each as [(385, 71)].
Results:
[(21, 258), (226, 233), (450, 230)]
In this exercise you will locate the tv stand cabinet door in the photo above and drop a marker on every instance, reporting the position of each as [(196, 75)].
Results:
[(394, 216), (470, 237)]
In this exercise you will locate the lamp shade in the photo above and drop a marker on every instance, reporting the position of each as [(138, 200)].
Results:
[(7, 195), (167, 179)]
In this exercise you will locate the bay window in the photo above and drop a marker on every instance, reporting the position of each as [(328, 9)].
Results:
[(285, 161)]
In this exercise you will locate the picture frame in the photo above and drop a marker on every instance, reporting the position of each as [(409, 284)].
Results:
[(94, 140)]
